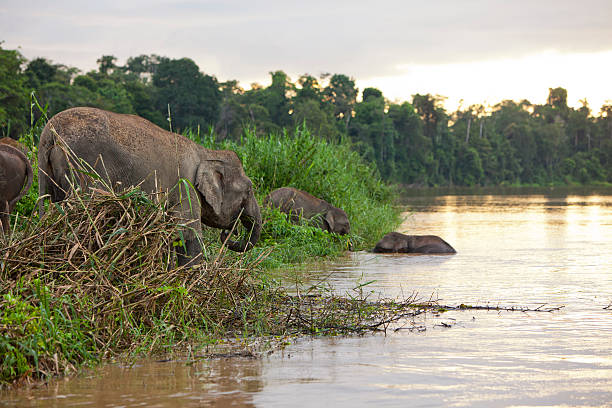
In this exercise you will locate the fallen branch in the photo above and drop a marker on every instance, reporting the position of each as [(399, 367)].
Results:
[(540, 308)]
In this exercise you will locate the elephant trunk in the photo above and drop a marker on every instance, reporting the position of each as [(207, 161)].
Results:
[(251, 220)]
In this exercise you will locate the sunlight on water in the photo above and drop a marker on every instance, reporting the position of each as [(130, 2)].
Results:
[(513, 250)]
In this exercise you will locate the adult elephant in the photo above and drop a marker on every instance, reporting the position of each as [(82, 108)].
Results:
[(15, 181), (298, 203), (204, 186), (413, 244)]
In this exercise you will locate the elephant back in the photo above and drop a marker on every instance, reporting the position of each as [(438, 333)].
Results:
[(82, 128), (12, 142)]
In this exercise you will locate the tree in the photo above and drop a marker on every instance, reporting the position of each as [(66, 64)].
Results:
[(412, 150), (317, 119), (39, 72), (603, 138), (580, 128), (142, 66), (309, 89), (514, 141), (258, 116), (106, 64), (435, 127), (557, 99), (430, 109), (233, 114), (13, 94), (342, 94), (469, 170), (59, 97), (373, 131), (194, 98), (276, 98)]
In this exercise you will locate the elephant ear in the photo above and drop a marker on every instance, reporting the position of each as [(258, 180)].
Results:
[(330, 221), (209, 183)]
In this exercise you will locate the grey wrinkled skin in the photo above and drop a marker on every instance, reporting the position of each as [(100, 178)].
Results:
[(127, 150), (394, 242), (15, 180), (298, 203)]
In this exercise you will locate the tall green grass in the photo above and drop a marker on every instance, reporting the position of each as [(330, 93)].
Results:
[(26, 207)]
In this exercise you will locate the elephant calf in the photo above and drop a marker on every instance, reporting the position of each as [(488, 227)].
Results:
[(15, 181), (413, 244), (298, 203), (12, 142)]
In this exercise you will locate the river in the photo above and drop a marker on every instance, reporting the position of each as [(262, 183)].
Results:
[(550, 248)]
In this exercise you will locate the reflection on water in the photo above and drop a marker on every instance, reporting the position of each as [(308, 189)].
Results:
[(521, 250), (220, 382)]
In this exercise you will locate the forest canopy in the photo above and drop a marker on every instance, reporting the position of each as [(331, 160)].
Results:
[(416, 142)]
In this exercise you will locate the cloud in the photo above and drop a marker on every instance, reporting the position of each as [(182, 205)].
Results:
[(245, 40), (489, 82)]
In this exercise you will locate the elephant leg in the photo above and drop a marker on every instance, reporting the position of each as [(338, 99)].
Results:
[(190, 253), (190, 250)]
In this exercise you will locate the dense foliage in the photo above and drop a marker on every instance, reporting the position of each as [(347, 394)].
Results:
[(415, 142)]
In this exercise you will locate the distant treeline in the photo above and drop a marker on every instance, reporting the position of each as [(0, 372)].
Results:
[(415, 142)]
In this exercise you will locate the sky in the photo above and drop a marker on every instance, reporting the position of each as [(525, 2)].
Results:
[(470, 51)]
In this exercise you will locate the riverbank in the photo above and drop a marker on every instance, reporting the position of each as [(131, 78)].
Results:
[(86, 283)]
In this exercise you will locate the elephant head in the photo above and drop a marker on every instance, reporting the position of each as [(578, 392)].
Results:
[(227, 196), (337, 221)]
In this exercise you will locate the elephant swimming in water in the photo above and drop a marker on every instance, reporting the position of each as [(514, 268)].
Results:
[(127, 150), (395, 242), (300, 203)]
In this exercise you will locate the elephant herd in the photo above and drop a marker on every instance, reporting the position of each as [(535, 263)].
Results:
[(126, 150)]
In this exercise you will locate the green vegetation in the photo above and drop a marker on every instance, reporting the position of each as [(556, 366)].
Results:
[(416, 142)]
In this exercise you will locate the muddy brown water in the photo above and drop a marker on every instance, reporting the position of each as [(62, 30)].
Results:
[(514, 250)]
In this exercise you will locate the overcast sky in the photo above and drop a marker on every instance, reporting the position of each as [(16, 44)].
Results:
[(476, 50)]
